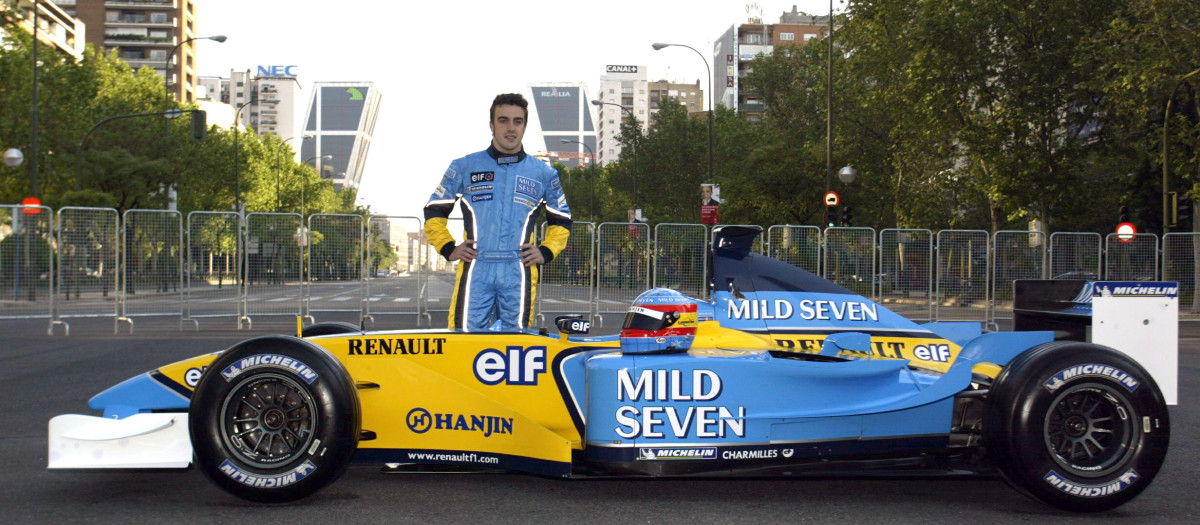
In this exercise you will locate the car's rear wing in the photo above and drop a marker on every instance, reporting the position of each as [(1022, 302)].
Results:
[(1139, 318)]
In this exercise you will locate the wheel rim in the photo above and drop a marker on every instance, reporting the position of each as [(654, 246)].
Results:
[(1090, 430), (268, 420)]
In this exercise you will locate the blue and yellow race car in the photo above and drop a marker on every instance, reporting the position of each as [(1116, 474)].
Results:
[(783, 373)]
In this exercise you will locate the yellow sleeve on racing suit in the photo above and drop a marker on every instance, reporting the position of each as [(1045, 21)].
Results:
[(438, 234), (555, 241)]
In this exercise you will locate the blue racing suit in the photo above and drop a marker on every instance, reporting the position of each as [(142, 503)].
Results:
[(500, 196)]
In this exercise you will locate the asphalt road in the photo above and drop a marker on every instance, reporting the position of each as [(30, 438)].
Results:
[(43, 376)]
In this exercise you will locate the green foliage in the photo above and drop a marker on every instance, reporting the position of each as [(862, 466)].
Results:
[(955, 114), (132, 162)]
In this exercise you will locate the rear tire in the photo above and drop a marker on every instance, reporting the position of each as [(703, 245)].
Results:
[(1078, 426), (274, 419)]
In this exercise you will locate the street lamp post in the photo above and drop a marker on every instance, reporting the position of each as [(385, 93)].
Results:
[(304, 185), (591, 179), (167, 66), (306, 136), (237, 171), (829, 108), (33, 159), (660, 45), (167, 88), (633, 145), (1166, 124)]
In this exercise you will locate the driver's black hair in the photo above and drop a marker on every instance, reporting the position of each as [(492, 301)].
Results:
[(511, 99)]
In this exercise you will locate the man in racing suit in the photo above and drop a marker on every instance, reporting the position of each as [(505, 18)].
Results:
[(500, 191)]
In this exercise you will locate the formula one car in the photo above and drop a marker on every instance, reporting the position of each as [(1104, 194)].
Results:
[(782, 373)]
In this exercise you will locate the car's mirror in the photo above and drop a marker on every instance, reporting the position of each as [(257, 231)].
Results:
[(572, 324)]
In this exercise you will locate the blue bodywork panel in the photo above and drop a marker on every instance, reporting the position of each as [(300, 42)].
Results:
[(141, 393)]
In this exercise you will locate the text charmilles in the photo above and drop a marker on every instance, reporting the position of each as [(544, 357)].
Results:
[(397, 346), (808, 310), (677, 421)]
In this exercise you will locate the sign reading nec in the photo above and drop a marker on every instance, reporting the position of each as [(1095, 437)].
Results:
[(277, 71)]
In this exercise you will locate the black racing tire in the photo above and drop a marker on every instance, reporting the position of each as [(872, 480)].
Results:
[(1078, 426), (274, 419), (329, 328)]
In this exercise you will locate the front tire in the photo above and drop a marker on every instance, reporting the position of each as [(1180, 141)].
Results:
[(274, 419), (1078, 426)]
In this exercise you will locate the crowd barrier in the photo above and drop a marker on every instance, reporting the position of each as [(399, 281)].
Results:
[(93, 262)]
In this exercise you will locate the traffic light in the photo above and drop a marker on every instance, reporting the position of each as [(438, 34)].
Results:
[(846, 216), (1124, 214), (1183, 214), (831, 216), (199, 124)]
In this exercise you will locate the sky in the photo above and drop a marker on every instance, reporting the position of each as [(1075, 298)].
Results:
[(438, 66)]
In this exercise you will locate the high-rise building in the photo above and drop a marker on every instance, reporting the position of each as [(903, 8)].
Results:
[(341, 119), (144, 32), (629, 87), (56, 26), (560, 112), (271, 98), (734, 52)]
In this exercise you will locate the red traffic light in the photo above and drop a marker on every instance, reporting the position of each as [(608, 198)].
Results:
[(32, 206)]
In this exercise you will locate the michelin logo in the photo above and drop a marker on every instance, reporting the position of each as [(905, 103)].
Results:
[(653, 454), (1092, 491), (268, 482), (1136, 289), (1092, 370), (277, 361)]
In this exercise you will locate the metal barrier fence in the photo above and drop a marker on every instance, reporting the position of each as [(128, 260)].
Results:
[(1181, 253), (680, 258), (395, 287), (1075, 255), (565, 284), (439, 285), (622, 264), (27, 245), (962, 275), (152, 269), (1015, 255), (850, 259), (335, 263), (799, 246), (145, 263), (88, 264), (906, 273), (1133, 259), (274, 257), (213, 249)]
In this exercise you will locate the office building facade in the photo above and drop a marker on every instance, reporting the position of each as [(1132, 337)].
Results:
[(341, 119), (144, 32), (629, 87), (735, 50), (56, 26), (560, 112), (271, 98)]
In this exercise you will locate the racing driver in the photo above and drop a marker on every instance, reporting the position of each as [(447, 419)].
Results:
[(500, 191)]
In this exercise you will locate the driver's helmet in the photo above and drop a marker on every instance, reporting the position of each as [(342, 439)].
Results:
[(659, 319)]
